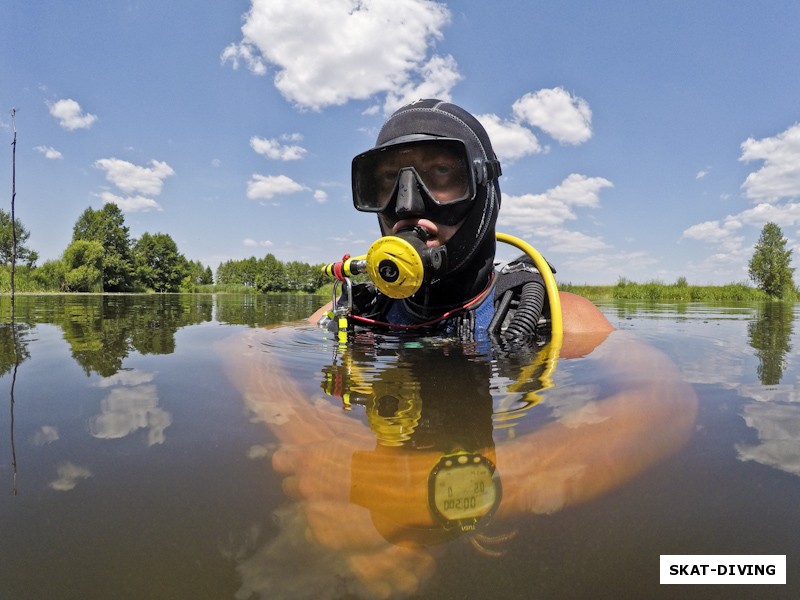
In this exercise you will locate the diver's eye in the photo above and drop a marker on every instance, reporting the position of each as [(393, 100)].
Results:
[(385, 179), (445, 181), (442, 170)]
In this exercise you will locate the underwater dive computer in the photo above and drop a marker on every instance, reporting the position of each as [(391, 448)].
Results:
[(463, 490)]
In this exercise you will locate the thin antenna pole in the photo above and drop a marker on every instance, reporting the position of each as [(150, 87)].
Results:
[(13, 289), (13, 198)]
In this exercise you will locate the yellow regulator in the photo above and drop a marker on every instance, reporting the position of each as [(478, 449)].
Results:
[(399, 264)]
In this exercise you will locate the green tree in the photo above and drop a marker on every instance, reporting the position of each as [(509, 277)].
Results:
[(24, 254), (83, 262), (270, 275), (769, 267), (302, 277), (51, 275), (107, 226), (225, 275), (199, 274), (159, 265)]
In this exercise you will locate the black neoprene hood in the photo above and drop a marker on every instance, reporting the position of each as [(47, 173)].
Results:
[(471, 250), (440, 119)]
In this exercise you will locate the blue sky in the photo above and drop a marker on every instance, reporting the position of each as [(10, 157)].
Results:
[(646, 140)]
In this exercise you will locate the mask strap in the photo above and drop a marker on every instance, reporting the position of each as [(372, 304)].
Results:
[(486, 170)]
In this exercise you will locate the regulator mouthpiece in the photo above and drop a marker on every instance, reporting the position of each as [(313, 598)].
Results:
[(399, 264)]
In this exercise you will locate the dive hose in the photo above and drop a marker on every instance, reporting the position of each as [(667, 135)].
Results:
[(556, 318), (399, 264)]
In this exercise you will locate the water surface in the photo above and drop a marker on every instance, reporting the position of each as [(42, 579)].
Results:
[(171, 447)]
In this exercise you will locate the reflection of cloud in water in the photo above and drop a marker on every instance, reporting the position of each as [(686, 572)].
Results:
[(778, 427), (290, 566), (131, 377), (69, 475), (47, 434), (574, 405), (706, 352), (713, 363), (772, 393), (261, 451), (726, 361), (129, 408)]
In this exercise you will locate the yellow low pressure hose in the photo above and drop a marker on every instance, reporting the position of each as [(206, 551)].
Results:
[(556, 321), (409, 269)]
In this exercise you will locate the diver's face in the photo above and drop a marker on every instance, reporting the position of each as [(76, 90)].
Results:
[(424, 179), (441, 170), (438, 233)]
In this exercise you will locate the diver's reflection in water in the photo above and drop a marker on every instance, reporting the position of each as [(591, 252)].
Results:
[(373, 503), (431, 474)]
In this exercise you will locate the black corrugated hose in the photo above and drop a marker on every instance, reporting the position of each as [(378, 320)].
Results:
[(526, 317)]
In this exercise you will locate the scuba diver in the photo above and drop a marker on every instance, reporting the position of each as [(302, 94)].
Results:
[(414, 443), (433, 181)]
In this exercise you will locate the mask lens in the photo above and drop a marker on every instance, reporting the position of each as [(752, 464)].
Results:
[(441, 165)]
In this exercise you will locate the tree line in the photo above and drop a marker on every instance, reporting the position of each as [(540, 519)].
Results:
[(102, 257), (269, 274)]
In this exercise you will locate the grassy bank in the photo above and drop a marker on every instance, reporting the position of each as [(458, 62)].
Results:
[(679, 291), (652, 291), (24, 281)]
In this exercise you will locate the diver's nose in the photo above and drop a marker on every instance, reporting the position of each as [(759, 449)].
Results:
[(409, 200)]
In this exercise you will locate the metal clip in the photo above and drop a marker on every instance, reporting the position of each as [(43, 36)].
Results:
[(342, 310), (518, 265), (338, 308)]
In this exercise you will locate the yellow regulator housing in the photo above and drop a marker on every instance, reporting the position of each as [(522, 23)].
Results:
[(398, 265)]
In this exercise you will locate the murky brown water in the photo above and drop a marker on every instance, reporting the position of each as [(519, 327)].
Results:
[(169, 447)]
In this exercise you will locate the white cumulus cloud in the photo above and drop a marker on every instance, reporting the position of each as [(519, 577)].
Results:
[(49, 152), (276, 150), (564, 117), (70, 115), (543, 215), (131, 178), (436, 78), (785, 215), (725, 234), (779, 177), (327, 53), (131, 204), (251, 243), (569, 241), (510, 140), (244, 53), (268, 186)]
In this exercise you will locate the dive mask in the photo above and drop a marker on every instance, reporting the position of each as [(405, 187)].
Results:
[(430, 176)]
